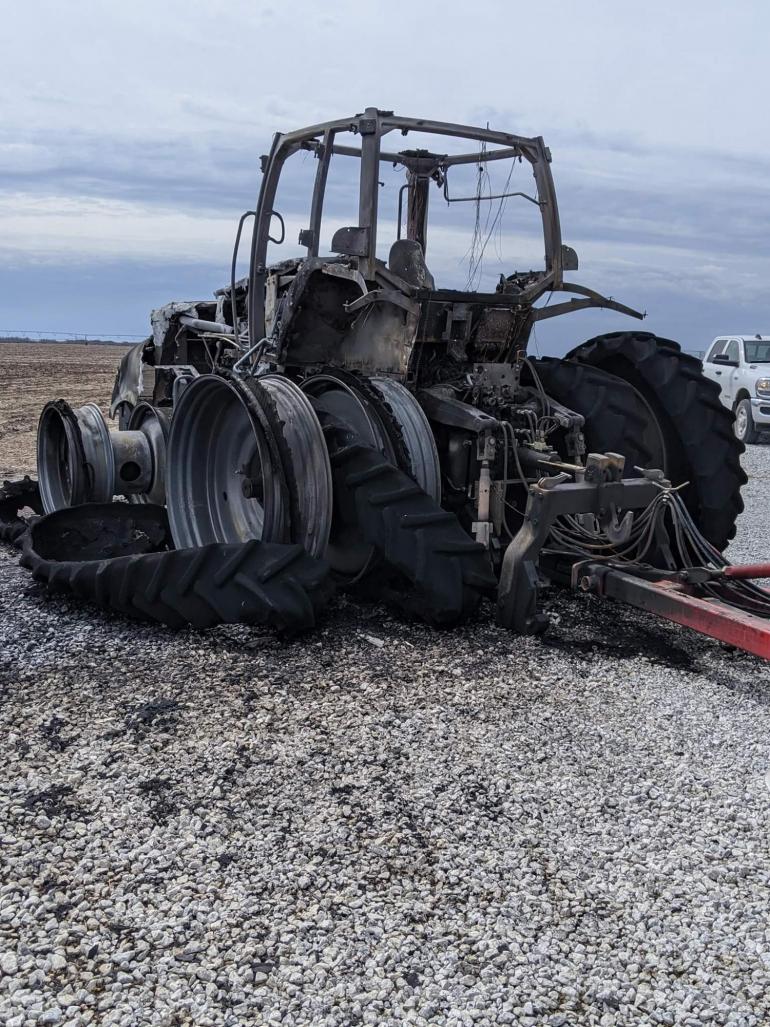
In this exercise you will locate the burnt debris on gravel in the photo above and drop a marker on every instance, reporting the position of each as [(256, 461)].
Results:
[(226, 828)]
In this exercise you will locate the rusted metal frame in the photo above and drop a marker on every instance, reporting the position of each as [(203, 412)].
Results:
[(417, 200), (283, 146), (532, 148), (448, 128), (666, 599), (368, 196), (549, 211), (600, 300), (442, 160), (593, 299), (506, 153), (279, 152), (324, 154), (511, 146), (555, 310), (518, 591), (301, 135)]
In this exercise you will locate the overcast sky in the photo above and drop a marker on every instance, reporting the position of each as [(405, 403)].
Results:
[(130, 137)]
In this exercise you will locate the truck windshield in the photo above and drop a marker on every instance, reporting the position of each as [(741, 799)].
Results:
[(757, 352)]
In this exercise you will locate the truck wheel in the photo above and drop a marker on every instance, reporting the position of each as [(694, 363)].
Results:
[(697, 429), (745, 429)]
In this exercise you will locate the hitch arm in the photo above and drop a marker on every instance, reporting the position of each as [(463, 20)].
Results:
[(518, 591)]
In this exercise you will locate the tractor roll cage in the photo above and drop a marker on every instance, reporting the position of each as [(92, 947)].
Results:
[(420, 166)]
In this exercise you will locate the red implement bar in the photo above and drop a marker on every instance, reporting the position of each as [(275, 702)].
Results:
[(666, 598), (747, 570)]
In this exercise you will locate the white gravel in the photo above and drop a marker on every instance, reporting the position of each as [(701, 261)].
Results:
[(380, 824), (752, 543)]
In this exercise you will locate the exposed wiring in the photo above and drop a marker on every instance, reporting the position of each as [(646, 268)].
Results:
[(667, 514), (482, 236), (538, 385)]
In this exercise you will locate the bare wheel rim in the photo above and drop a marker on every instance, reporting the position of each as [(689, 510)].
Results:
[(416, 433), (100, 459), (334, 396), (154, 424), (306, 463), (224, 483), (75, 461), (60, 472)]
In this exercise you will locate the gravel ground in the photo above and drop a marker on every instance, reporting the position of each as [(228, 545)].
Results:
[(380, 824)]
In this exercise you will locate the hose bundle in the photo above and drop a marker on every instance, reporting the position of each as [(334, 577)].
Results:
[(666, 517)]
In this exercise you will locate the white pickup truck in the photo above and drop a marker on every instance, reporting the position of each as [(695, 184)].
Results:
[(740, 365)]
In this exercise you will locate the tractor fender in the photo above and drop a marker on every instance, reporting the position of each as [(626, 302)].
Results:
[(128, 380)]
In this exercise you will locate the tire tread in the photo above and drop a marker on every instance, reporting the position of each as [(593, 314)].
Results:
[(272, 584), (699, 427)]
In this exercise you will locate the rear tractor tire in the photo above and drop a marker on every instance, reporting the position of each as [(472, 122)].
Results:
[(700, 447), (117, 555)]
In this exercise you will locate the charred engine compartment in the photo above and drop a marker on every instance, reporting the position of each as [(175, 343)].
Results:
[(497, 431)]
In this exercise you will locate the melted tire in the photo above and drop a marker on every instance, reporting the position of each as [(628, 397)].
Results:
[(275, 585), (444, 571), (15, 496), (701, 447)]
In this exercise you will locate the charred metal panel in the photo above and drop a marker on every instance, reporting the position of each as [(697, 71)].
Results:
[(495, 328), (129, 385), (380, 341), (312, 325), (309, 318)]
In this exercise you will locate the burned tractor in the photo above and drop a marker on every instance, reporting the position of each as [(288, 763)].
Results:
[(349, 409)]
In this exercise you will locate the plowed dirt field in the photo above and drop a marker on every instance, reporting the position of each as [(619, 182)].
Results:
[(30, 375)]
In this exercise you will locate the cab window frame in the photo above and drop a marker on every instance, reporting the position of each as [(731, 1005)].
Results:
[(717, 348), (733, 351)]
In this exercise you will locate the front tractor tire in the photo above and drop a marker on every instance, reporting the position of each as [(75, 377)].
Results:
[(699, 443)]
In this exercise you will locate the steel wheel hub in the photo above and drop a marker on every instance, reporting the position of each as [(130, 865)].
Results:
[(246, 460)]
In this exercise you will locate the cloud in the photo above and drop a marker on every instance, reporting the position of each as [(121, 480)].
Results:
[(51, 229), (135, 134), (146, 203), (25, 159)]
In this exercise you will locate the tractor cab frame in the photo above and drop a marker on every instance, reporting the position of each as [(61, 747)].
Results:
[(428, 314)]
